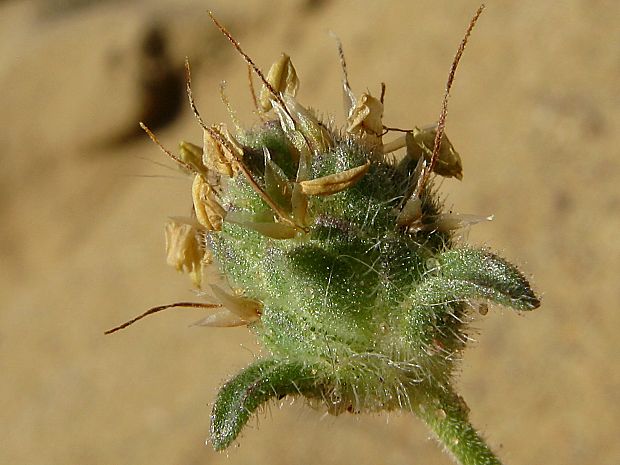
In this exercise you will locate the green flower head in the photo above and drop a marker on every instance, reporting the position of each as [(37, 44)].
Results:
[(335, 251)]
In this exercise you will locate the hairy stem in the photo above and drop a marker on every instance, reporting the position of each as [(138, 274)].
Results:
[(446, 414)]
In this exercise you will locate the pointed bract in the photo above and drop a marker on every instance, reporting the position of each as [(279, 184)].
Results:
[(484, 272), (262, 381)]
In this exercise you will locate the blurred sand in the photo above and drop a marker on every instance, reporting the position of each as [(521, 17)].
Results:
[(534, 114)]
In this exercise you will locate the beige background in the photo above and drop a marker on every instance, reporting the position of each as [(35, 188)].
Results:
[(534, 114)]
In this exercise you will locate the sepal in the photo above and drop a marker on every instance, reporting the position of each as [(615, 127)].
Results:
[(262, 381), (479, 274)]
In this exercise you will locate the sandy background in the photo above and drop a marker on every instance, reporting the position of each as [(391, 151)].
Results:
[(534, 114)]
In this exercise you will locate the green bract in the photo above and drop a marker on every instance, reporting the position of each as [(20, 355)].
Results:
[(338, 256)]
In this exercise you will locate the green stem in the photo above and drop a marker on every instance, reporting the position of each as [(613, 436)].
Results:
[(447, 416)]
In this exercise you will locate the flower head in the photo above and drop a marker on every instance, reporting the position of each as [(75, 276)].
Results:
[(337, 255)]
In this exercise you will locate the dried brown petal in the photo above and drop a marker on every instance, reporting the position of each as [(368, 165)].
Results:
[(309, 125), (366, 116), (215, 156), (183, 249), (283, 79), (247, 309), (411, 212), (267, 228), (420, 143), (191, 154), (334, 183), (209, 212), (223, 318)]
